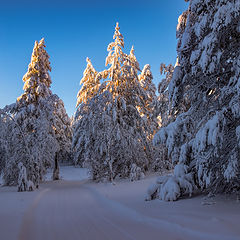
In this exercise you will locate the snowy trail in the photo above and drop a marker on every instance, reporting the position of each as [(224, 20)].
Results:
[(77, 210), (71, 210)]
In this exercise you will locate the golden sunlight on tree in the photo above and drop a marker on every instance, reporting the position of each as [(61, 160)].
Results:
[(37, 79), (90, 84), (114, 122)]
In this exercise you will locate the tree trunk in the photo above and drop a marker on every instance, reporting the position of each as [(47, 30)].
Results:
[(56, 168)]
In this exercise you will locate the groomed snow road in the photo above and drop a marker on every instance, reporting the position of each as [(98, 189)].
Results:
[(78, 209), (74, 210)]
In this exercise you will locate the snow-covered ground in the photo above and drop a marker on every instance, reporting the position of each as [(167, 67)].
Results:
[(69, 173), (76, 208)]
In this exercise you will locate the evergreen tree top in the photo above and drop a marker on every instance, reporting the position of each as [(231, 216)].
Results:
[(116, 56), (133, 60), (37, 79), (89, 82), (120, 78), (118, 36)]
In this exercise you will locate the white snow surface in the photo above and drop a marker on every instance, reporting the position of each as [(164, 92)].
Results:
[(81, 209), (69, 173)]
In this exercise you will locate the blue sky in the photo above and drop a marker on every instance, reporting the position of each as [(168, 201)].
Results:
[(74, 30)]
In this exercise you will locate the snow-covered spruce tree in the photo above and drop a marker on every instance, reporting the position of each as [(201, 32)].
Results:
[(163, 103), (2, 155), (89, 89), (112, 133), (44, 124), (150, 103), (13, 145), (91, 135), (90, 84), (61, 124), (204, 139), (130, 100), (161, 161), (3, 140)]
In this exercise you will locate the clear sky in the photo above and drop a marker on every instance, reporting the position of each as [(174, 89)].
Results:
[(74, 30)]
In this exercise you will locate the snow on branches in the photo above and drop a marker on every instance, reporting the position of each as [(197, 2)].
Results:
[(90, 84), (37, 79), (37, 124), (203, 94), (112, 127)]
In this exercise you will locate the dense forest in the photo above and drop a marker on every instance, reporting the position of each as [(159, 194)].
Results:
[(125, 126)]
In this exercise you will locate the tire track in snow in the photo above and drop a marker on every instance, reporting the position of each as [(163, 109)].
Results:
[(27, 219), (75, 210)]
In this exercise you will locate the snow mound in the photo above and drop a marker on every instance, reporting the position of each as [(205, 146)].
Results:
[(171, 187)]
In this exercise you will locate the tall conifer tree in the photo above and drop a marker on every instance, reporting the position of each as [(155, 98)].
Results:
[(203, 137), (113, 134), (43, 122)]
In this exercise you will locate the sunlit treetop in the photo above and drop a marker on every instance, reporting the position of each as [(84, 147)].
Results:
[(37, 79), (123, 67), (133, 59), (115, 56), (90, 84)]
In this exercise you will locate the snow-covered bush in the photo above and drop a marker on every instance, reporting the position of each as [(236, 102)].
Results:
[(170, 190), (30, 185), (22, 178), (23, 183), (136, 173), (171, 187)]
